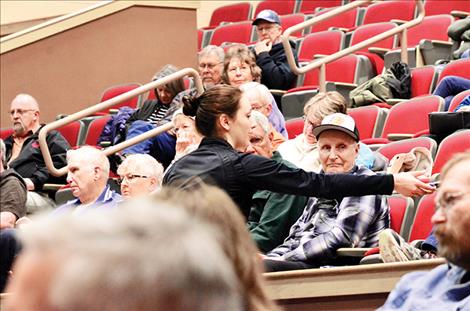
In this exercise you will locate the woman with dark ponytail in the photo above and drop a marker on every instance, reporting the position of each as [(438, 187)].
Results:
[(222, 116)]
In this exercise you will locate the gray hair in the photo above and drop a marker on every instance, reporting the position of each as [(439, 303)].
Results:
[(261, 120), (212, 50), (142, 163), (255, 90), (93, 155), (142, 256), (3, 152)]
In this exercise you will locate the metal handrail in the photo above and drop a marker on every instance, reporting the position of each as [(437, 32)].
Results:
[(321, 62), (109, 103)]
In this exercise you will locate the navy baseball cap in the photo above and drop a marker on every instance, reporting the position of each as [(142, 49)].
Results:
[(268, 16)]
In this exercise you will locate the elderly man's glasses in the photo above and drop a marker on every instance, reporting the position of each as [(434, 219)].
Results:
[(208, 65), (20, 111), (131, 177)]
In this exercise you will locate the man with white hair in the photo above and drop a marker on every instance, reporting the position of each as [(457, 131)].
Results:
[(139, 174), (142, 256), (328, 224), (272, 214), (23, 153), (88, 172), (211, 65)]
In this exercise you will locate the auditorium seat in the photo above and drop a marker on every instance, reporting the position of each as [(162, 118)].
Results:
[(71, 132), (369, 120), (94, 129), (240, 32), (5, 132), (430, 36), (460, 68), (292, 20), (458, 99), (404, 146), (200, 35), (435, 7), (401, 214), (386, 11), (295, 127), (117, 90), (452, 144), (231, 13), (346, 20), (423, 80), (323, 42), (312, 6), (422, 226), (408, 118), (281, 7)]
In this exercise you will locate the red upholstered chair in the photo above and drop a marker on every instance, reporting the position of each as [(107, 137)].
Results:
[(232, 13), (434, 7), (385, 11), (409, 118), (94, 130), (458, 99), (369, 120), (403, 146), (452, 144), (5, 132), (423, 80), (311, 6), (292, 20), (71, 132), (324, 42), (281, 7), (460, 67), (200, 35), (401, 210), (346, 19), (422, 226), (118, 90), (240, 32), (294, 127)]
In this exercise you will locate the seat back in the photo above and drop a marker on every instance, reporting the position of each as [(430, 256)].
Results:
[(411, 116), (434, 7), (94, 130), (404, 146), (292, 20), (423, 80), (452, 144), (401, 208), (294, 127), (281, 7), (5, 132), (364, 32), (432, 28), (346, 19), (118, 90), (369, 120), (422, 226), (324, 42), (71, 132), (231, 13), (311, 6), (460, 68), (234, 33), (200, 35), (387, 10), (458, 99)]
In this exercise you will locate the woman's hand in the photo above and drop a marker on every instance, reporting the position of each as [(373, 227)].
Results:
[(411, 184)]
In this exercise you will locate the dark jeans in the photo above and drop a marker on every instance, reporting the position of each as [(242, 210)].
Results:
[(271, 265), (451, 86), (9, 248)]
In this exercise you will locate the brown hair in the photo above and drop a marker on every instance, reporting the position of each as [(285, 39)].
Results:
[(175, 86), (209, 105), (326, 103), (213, 205), (241, 52)]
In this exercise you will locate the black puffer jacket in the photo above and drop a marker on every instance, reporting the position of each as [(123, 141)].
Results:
[(240, 175)]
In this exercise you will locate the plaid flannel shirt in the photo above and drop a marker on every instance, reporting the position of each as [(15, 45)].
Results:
[(327, 225)]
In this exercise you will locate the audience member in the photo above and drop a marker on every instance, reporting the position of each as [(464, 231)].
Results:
[(211, 65), (187, 137), (140, 174), (155, 113), (24, 155), (270, 53), (459, 32), (88, 171), (223, 118), (464, 105), (446, 287), (138, 257), (240, 66), (303, 150), (328, 224), (214, 206), (451, 86), (262, 100), (272, 214)]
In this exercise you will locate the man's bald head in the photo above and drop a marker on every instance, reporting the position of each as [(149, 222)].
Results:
[(24, 112)]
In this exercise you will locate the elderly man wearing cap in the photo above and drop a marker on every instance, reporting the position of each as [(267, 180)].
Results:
[(325, 224), (270, 53)]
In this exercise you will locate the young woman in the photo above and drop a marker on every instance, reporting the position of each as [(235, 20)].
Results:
[(223, 118)]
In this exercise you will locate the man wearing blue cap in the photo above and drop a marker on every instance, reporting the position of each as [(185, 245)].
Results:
[(270, 53)]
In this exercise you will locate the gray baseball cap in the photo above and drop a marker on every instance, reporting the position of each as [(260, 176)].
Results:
[(268, 16)]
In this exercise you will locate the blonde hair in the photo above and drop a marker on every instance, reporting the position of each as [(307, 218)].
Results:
[(326, 103), (241, 52)]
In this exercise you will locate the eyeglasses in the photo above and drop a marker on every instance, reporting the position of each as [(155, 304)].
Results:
[(448, 200), (208, 65), (20, 111), (130, 178)]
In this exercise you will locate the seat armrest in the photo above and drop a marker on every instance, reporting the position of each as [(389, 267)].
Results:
[(352, 251), (399, 136), (379, 51), (459, 14), (394, 101), (398, 21), (52, 187), (277, 92), (105, 144)]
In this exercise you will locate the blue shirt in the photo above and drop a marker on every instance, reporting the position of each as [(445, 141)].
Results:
[(107, 198), (446, 287)]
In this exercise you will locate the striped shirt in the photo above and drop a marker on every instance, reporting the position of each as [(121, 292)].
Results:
[(158, 114), (327, 225)]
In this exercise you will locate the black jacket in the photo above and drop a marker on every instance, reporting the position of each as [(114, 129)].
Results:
[(30, 163), (240, 175), (276, 73)]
